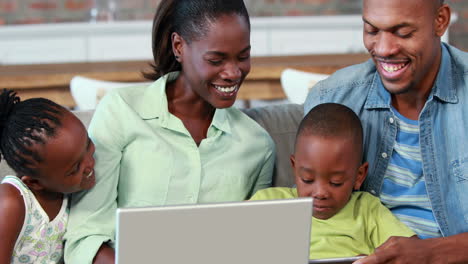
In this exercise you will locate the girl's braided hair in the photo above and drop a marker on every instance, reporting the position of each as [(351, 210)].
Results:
[(23, 124)]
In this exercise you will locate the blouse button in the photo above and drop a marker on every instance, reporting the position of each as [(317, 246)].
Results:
[(391, 120), (384, 155)]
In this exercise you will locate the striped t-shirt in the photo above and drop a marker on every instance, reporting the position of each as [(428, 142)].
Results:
[(404, 187)]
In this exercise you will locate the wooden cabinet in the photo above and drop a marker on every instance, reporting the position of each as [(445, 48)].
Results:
[(263, 82)]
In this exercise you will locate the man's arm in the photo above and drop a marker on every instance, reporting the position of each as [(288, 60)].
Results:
[(313, 98), (451, 249)]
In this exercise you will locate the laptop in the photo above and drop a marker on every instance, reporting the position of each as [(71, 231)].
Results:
[(344, 260), (250, 232)]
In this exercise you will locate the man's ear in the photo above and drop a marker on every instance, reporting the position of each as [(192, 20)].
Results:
[(361, 175), (177, 45), (442, 20), (32, 183)]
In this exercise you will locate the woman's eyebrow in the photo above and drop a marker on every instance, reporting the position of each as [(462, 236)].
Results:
[(219, 53)]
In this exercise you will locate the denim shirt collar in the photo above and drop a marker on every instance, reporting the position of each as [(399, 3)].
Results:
[(443, 89)]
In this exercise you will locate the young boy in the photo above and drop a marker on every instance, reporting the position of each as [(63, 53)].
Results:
[(327, 164)]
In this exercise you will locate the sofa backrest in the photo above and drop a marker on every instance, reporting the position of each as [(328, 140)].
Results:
[(280, 121)]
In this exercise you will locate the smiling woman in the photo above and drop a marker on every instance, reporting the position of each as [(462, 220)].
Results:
[(177, 140), (214, 68)]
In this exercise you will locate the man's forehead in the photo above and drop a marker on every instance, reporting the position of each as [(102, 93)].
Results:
[(402, 3), (394, 12)]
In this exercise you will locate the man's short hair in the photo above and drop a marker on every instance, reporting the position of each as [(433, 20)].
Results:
[(439, 3), (331, 120)]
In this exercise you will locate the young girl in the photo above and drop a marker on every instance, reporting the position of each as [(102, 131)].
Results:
[(50, 151)]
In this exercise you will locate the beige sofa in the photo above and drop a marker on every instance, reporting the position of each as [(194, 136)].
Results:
[(281, 122)]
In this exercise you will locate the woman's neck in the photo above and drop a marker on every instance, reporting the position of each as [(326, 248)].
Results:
[(195, 113), (183, 102)]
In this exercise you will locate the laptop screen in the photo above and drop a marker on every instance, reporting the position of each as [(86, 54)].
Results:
[(273, 232)]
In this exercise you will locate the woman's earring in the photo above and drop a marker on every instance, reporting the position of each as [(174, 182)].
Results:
[(176, 57)]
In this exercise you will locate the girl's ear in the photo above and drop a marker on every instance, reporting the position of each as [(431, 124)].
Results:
[(32, 183), (361, 175)]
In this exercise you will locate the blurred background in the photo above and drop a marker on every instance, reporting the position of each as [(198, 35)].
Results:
[(56, 11), (74, 51)]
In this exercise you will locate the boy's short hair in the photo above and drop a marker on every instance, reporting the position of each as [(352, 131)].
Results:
[(332, 120)]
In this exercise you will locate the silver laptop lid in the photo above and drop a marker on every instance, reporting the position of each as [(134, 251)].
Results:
[(251, 232)]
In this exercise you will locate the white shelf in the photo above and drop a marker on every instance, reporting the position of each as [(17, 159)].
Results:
[(131, 40)]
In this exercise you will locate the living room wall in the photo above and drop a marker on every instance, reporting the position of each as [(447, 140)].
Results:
[(52, 11)]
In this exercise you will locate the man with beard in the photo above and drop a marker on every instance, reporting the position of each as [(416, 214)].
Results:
[(412, 99)]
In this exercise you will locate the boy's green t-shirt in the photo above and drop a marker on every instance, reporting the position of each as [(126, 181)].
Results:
[(360, 227)]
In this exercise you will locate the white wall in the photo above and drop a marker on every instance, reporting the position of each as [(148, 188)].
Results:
[(131, 40)]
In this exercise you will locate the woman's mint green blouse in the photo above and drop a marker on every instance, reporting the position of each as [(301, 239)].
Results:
[(146, 157)]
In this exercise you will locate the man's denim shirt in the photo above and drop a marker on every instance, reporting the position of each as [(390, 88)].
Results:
[(443, 125)]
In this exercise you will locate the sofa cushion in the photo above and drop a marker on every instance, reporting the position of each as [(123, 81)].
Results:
[(281, 122), (5, 169)]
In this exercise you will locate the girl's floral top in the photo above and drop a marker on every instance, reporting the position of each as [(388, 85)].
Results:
[(40, 240)]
